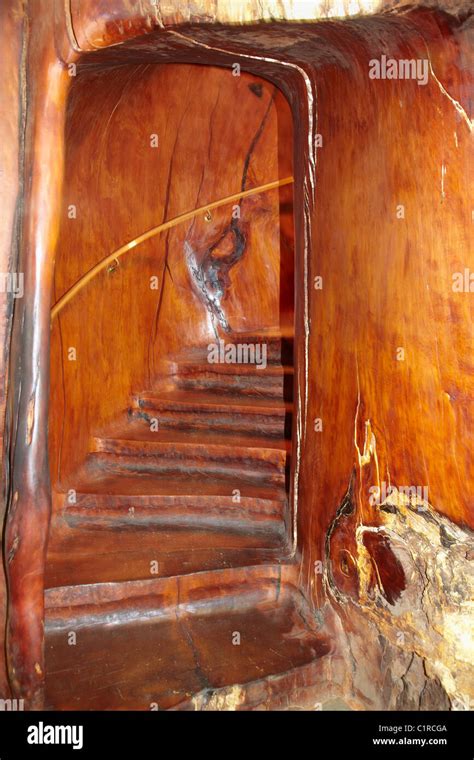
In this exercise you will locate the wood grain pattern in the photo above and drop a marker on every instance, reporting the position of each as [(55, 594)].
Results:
[(12, 34), (30, 496), (207, 489), (363, 315), (158, 185), (197, 665), (99, 23), (383, 351)]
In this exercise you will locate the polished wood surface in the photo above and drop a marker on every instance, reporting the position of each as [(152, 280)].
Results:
[(378, 386), (12, 31), (203, 658), (98, 23), (208, 488), (27, 523), (160, 184), (113, 258)]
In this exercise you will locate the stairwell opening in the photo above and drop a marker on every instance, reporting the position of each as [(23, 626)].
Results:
[(172, 367), (178, 601)]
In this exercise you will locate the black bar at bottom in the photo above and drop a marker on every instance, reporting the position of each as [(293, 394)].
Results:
[(310, 734)]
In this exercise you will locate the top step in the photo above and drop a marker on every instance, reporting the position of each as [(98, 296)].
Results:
[(265, 381), (265, 346)]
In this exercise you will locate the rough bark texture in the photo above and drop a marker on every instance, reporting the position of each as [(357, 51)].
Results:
[(98, 23), (408, 608)]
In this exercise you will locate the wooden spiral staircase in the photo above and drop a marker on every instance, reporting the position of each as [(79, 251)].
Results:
[(169, 574), (157, 566)]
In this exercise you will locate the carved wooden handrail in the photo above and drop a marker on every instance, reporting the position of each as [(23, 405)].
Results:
[(88, 276)]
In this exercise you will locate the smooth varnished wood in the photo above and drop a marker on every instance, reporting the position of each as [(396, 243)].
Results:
[(251, 653), (12, 108), (161, 183), (348, 276), (208, 487), (29, 490)]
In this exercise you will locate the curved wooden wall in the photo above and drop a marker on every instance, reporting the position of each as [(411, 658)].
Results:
[(387, 276), (13, 33), (211, 128), (29, 496), (98, 23), (387, 281)]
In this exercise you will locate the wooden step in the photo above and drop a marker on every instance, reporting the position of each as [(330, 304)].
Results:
[(279, 343), (181, 502), (209, 412), (87, 548), (273, 381), (279, 346), (231, 649), (137, 449), (112, 602)]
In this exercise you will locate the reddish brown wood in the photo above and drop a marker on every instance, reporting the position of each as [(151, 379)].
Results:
[(178, 176), (12, 40), (209, 488), (198, 664), (387, 284), (30, 496)]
